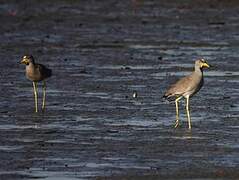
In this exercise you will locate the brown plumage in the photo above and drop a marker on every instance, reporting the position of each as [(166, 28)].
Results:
[(36, 73), (187, 87)]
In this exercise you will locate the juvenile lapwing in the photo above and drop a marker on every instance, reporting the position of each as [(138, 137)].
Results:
[(36, 73)]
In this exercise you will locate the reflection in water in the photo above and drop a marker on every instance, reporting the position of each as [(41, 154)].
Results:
[(188, 134)]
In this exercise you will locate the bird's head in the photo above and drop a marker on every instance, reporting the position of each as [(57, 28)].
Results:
[(27, 59), (202, 63)]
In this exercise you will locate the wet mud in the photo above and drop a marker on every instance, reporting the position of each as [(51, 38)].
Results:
[(101, 52)]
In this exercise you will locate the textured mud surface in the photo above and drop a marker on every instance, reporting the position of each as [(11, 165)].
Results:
[(100, 53)]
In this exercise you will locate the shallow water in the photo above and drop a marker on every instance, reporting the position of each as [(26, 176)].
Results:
[(101, 52)]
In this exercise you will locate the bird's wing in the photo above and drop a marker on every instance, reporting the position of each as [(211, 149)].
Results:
[(40, 68), (180, 87), (43, 70)]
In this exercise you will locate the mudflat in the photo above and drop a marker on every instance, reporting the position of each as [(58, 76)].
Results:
[(101, 52)]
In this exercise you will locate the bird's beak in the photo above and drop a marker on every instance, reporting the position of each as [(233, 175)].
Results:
[(205, 65)]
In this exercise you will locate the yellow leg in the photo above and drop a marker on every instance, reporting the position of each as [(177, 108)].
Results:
[(44, 95), (35, 95), (177, 112), (188, 113)]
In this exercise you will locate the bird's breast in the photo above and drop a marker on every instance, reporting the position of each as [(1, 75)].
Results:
[(32, 74), (195, 87)]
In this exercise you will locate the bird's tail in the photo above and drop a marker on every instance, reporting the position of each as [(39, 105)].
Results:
[(168, 97)]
